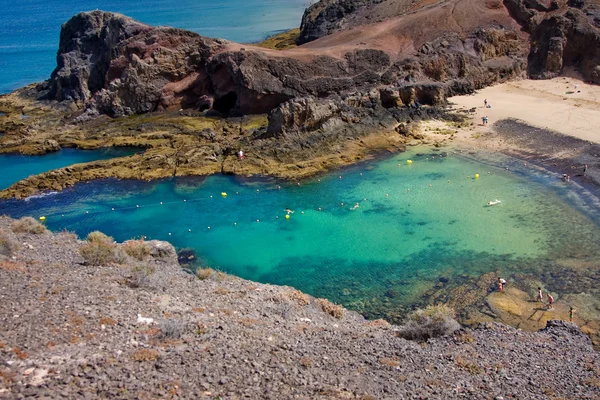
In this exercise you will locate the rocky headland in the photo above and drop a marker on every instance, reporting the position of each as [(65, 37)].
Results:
[(365, 72), (96, 319)]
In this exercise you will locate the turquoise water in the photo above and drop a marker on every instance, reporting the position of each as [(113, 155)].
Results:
[(385, 253), (30, 28), (16, 167)]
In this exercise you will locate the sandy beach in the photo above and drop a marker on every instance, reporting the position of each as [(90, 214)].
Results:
[(565, 104)]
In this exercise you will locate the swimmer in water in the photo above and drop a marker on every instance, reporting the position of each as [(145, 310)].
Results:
[(354, 207), (289, 211)]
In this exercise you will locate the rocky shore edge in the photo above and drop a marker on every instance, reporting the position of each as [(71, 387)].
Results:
[(141, 327)]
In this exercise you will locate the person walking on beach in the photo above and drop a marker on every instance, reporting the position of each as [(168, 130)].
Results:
[(550, 301), (571, 311), (540, 296), (485, 103)]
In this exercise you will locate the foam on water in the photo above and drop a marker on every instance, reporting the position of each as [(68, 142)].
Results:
[(397, 241)]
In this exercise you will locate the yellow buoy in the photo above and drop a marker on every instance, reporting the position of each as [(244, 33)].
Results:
[(409, 161), (223, 194), (42, 218), (287, 216), (476, 176)]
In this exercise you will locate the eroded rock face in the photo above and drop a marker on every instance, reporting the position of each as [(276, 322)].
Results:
[(567, 37)]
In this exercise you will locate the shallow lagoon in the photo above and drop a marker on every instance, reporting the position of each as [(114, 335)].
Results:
[(380, 256), (15, 167)]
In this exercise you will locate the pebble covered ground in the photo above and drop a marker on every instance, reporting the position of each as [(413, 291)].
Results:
[(69, 330)]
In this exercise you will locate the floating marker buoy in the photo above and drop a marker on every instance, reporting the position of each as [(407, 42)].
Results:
[(409, 161), (42, 218), (161, 203), (223, 194), (476, 176), (287, 216)]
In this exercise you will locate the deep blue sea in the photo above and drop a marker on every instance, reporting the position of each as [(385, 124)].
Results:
[(29, 29)]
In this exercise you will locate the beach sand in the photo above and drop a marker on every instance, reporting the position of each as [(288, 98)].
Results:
[(556, 104)]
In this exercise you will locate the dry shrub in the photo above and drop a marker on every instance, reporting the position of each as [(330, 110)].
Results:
[(108, 321), (12, 266), (21, 355), (99, 249), (306, 362), (299, 297), (145, 355), (172, 329), (137, 249), (204, 273), (222, 291), (7, 246), (330, 308), (430, 322), (390, 362), (379, 323), (140, 277), (467, 366), (28, 225)]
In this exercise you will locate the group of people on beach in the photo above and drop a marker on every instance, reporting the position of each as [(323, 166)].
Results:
[(540, 298), (567, 178)]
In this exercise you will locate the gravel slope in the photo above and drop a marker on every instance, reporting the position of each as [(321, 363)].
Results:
[(70, 331)]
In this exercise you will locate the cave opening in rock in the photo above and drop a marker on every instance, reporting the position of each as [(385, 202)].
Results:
[(226, 103)]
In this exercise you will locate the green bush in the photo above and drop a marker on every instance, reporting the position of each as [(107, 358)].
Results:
[(430, 322)]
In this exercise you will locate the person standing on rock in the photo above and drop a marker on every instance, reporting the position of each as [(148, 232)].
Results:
[(550, 301), (501, 283), (585, 170), (540, 296)]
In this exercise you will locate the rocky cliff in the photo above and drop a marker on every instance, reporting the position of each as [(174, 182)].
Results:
[(127, 322)]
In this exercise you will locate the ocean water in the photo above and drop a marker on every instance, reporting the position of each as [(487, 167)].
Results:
[(383, 254), (29, 29), (15, 167)]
